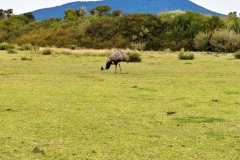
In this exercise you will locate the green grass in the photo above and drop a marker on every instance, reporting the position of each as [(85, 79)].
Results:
[(71, 109)]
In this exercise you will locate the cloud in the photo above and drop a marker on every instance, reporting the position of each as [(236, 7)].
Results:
[(31, 5)]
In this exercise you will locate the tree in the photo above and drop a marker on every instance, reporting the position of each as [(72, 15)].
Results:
[(181, 30), (201, 41), (100, 10), (225, 40), (166, 16), (30, 16), (233, 22), (70, 15), (2, 14), (212, 23), (5, 13), (139, 31), (9, 12), (12, 26), (141, 35), (81, 12), (116, 13)]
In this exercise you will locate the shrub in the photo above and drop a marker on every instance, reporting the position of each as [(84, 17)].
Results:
[(138, 46), (72, 47), (168, 50), (134, 57), (185, 56), (237, 55), (225, 40), (201, 41), (46, 52), (6, 46), (26, 58), (25, 47), (11, 51), (3, 46), (23, 58)]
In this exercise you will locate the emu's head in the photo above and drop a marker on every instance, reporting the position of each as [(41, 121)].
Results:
[(103, 68)]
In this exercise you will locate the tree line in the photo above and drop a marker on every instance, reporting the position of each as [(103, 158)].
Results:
[(105, 29)]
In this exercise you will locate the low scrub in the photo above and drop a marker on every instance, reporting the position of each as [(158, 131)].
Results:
[(6, 46), (26, 58), (12, 51), (25, 47), (185, 56), (72, 47), (134, 57), (46, 52), (237, 55)]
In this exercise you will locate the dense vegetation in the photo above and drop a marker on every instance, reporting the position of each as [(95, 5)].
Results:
[(104, 29)]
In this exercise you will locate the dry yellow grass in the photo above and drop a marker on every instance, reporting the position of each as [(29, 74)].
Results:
[(80, 52)]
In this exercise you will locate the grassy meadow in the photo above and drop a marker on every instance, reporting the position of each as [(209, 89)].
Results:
[(70, 109)]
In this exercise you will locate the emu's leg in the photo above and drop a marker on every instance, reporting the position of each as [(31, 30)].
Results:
[(120, 68), (115, 68)]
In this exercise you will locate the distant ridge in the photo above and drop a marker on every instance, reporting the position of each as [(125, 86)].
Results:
[(127, 6)]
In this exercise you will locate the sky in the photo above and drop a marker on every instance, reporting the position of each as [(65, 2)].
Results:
[(220, 6), (23, 6)]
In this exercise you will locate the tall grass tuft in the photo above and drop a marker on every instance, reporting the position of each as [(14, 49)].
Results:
[(79, 52), (185, 55)]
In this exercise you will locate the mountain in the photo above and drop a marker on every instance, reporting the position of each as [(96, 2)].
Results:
[(127, 6)]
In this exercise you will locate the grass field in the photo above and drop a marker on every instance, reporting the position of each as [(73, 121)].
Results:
[(70, 109)]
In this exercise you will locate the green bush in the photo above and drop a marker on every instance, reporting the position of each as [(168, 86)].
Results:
[(237, 55), (72, 47), (6, 46), (3, 46), (25, 47), (201, 41), (225, 40), (23, 58), (134, 57), (12, 51), (47, 52), (26, 58), (185, 56)]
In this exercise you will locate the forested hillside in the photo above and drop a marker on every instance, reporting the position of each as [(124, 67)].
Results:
[(106, 28)]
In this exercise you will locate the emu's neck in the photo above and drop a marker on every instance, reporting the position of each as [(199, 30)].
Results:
[(108, 65)]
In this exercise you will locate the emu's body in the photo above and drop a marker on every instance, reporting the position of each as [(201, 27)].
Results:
[(115, 58)]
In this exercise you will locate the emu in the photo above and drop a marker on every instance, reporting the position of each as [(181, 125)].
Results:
[(115, 58)]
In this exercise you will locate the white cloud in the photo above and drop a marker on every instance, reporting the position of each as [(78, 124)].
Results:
[(31, 5), (219, 6)]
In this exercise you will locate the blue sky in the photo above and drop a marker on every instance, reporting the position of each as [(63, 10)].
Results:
[(220, 6)]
